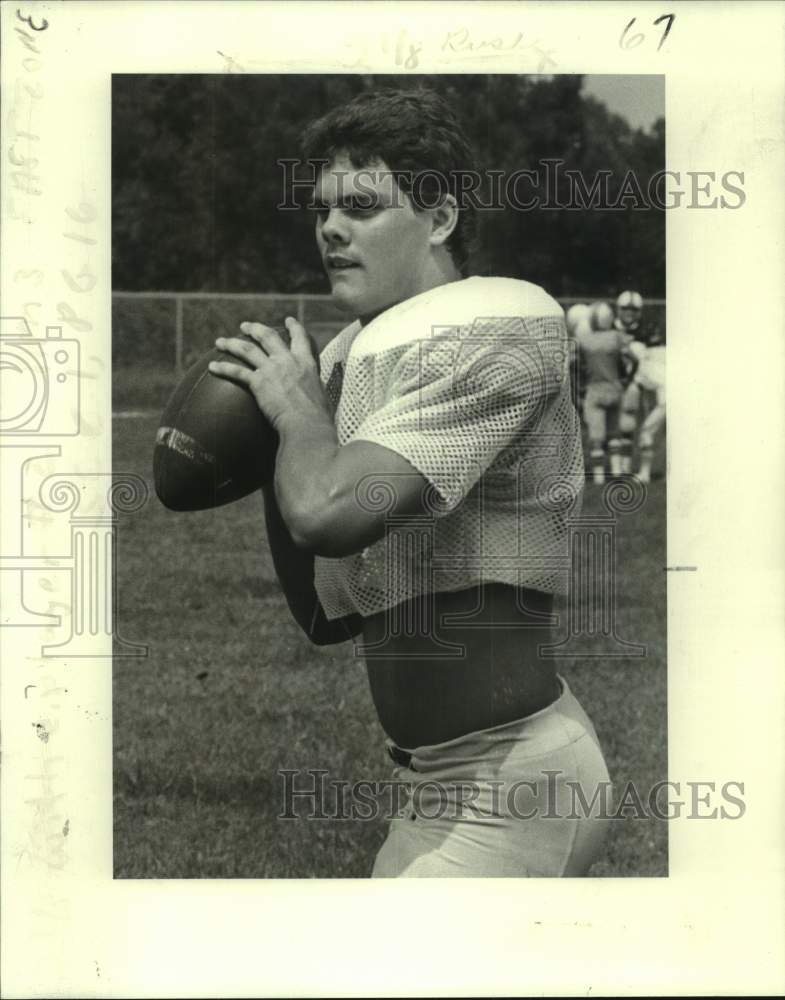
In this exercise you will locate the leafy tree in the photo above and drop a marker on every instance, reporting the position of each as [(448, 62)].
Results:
[(196, 183)]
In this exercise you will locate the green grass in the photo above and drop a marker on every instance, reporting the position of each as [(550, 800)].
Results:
[(231, 692)]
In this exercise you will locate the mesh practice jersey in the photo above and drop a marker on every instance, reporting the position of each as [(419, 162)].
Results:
[(469, 383)]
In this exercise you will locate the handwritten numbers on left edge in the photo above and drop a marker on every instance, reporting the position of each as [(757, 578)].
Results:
[(29, 20)]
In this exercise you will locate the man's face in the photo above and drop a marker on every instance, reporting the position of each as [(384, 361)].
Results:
[(373, 245), (629, 316)]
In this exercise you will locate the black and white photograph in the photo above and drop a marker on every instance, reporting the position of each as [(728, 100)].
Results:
[(408, 571), (368, 601)]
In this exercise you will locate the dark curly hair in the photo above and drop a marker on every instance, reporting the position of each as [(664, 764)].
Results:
[(416, 134)]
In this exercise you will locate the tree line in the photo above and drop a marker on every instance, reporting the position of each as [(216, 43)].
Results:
[(196, 181)]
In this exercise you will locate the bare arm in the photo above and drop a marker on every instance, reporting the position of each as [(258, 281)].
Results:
[(318, 482), (322, 489), (295, 568)]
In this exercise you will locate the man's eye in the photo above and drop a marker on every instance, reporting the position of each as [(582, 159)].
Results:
[(356, 209), (365, 207)]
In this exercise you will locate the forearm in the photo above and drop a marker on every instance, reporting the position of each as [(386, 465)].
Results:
[(307, 450), (316, 488), (320, 487), (295, 570)]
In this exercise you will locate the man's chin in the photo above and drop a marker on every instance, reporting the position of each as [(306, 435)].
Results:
[(355, 305)]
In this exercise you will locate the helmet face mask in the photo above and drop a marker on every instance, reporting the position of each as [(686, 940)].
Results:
[(629, 316), (629, 308)]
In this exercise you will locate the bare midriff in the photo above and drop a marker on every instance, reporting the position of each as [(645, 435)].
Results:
[(457, 662)]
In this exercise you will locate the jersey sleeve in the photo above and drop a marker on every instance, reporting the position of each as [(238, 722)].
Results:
[(455, 401), (332, 362)]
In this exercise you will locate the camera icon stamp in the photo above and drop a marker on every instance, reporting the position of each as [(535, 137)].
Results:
[(39, 381)]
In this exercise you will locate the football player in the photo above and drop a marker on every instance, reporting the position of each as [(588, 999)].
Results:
[(577, 315), (629, 310), (603, 350), (646, 385), (409, 463)]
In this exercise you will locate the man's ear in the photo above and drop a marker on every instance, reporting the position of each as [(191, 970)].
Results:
[(444, 219)]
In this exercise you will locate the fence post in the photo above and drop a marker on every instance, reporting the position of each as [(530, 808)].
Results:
[(178, 336)]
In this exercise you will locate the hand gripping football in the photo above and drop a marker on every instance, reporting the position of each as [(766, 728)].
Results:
[(213, 445)]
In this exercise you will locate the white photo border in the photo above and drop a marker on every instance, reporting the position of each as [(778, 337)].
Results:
[(717, 923)]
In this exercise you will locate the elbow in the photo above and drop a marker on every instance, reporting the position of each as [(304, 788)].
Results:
[(323, 640), (327, 638), (323, 632), (303, 516), (323, 529), (323, 538), (306, 535), (313, 531)]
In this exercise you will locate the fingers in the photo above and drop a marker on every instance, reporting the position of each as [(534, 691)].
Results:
[(267, 342), (226, 369), (245, 349), (268, 339), (300, 344)]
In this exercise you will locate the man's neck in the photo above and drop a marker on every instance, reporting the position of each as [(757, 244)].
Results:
[(442, 273)]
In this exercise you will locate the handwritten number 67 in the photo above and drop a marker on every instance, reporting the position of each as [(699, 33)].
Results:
[(635, 40)]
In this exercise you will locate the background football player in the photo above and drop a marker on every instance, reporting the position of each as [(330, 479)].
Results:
[(604, 361), (579, 314), (646, 388)]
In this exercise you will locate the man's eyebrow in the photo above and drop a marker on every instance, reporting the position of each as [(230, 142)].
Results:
[(350, 201)]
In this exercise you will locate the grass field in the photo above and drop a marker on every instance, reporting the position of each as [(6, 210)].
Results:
[(232, 692)]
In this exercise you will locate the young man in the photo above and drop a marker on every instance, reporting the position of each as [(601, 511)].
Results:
[(422, 487)]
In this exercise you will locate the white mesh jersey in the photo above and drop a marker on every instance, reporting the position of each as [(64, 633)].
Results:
[(468, 382)]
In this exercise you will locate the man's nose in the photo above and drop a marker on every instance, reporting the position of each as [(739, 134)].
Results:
[(335, 228)]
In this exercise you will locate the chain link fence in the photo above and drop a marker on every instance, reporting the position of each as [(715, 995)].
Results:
[(156, 336)]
